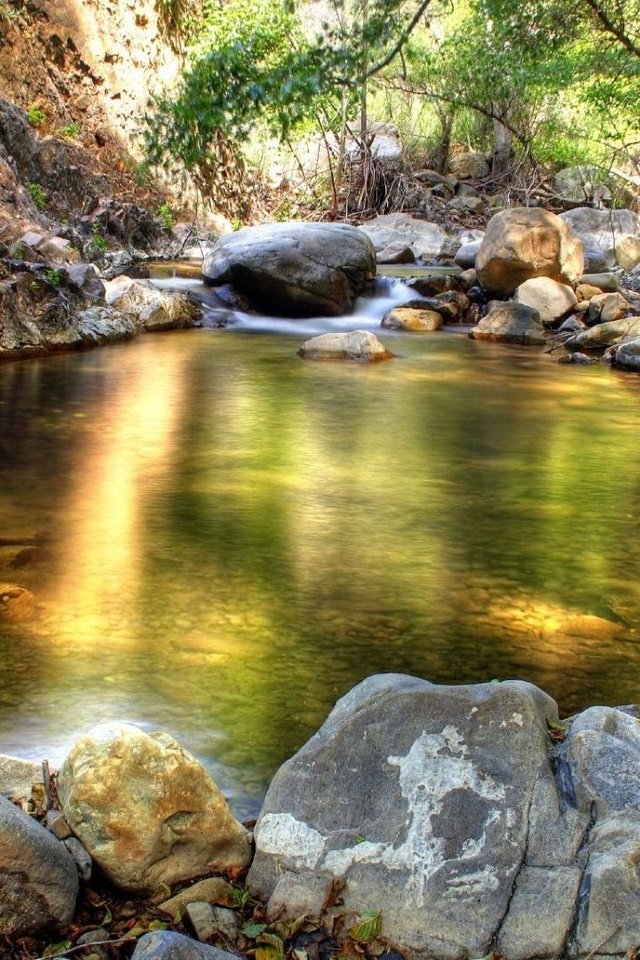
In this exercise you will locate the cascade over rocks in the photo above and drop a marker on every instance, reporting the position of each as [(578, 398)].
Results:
[(452, 811), (523, 242), (294, 269), (147, 812)]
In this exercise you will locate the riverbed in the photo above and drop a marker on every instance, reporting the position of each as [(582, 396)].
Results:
[(233, 536)]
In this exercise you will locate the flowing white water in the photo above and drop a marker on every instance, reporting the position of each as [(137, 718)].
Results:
[(386, 292)]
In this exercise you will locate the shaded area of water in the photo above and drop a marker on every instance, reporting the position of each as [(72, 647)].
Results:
[(238, 536)]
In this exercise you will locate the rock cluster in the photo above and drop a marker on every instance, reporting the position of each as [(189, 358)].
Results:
[(467, 818)]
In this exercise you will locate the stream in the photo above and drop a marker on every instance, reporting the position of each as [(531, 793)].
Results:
[(231, 537)]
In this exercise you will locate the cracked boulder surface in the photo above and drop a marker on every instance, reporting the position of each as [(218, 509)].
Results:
[(451, 810), (147, 812), (294, 269)]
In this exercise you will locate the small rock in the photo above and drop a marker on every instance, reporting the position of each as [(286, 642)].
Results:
[(412, 318), (167, 945), (81, 858), (471, 165), (17, 778), (606, 282), (211, 890), (551, 299), (579, 358), (201, 919), (606, 307), (466, 255), (433, 284), (397, 252), (467, 279), (510, 323), (360, 345), (17, 604), (56, 823)]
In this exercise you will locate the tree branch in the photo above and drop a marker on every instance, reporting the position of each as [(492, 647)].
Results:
[(402, 39), (610, 27)]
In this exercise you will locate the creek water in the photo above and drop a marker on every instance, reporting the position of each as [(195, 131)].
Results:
[(234, 536)]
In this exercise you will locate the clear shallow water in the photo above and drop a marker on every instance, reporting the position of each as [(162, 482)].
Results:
[(238, 536)]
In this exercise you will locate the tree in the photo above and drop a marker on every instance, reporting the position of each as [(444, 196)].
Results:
[(256, 64)]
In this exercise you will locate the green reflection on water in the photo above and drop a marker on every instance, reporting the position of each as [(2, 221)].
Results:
[(238, 536)]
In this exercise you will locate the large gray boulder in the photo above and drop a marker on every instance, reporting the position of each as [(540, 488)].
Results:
[(453, 812), (525, 242), (610, 237), (146, 810), (418, 796), (294, 269), (38, 877)]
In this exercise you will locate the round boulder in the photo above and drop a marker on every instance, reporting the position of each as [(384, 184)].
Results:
[(38, 878), (146, 810), (510, 323), (472, 165), (551, 299), (521, 243), (360, 345), (294, 269)]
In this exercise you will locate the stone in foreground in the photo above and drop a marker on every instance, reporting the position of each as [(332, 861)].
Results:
[(294, 269), (38, 878), (146, 810), (551, 299), (525, 242), (166, 945), (412, 318), (418, 796), (360, 345)]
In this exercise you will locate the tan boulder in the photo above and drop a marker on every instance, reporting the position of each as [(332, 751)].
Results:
[(510, 323), (147, 812), (360, 345), (471, 165), (551, 299), (413, 319), (17, 604), (605, 334), (605, 307), (521, 243)]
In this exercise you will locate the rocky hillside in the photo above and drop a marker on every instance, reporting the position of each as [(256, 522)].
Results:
[(74, 81)]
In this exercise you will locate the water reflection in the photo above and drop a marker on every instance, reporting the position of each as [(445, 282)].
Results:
[(236, 536)]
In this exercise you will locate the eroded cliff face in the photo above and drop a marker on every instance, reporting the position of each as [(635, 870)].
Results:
[(89, 62), (75, 80)]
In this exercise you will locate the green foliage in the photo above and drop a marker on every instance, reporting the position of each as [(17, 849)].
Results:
[(97, 238), (368, 927), (53, 277), (35, 114), (165, 214), (70, 131), (9, 10), (37, 195)]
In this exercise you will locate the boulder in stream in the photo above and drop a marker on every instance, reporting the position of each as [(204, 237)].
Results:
[(525, 242), (510, 322), (294, 269), (359, 345)]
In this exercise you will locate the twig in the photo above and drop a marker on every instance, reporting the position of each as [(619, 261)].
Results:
[(593, 952), (46, 778), (87, 946)]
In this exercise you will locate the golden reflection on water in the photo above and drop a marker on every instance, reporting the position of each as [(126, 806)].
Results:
[(240, 536)]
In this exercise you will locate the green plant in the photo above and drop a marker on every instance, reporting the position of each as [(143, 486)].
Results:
[(35, 113), (97, 237), (8, 10), (38, 195), (53, 277), (164, 212), (70, 131)]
